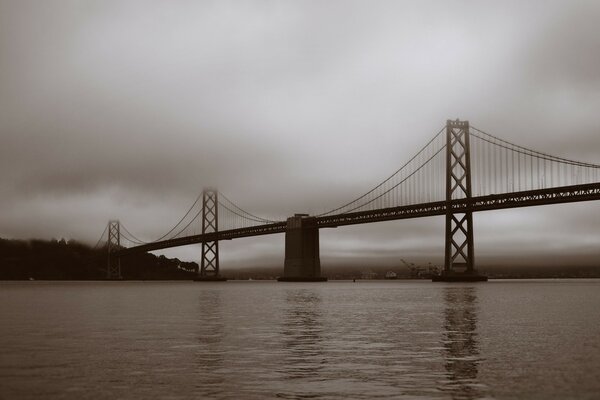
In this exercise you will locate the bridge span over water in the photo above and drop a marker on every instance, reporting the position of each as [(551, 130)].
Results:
[(460, 171)]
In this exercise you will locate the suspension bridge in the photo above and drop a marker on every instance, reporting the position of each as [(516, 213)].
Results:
[(460, 171)]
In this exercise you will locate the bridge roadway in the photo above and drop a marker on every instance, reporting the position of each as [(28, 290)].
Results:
[(558, 195)]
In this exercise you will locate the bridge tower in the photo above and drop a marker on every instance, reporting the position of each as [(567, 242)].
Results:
[(459, 264), (113, 268), (302, 261), (209, 264)]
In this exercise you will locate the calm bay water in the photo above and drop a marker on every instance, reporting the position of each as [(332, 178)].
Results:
[(334, 340)]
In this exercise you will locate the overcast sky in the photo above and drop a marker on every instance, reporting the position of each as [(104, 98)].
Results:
[(126, 109)]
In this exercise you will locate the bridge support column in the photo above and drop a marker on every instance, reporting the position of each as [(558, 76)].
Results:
[(302, 261), (459, 265), (209, 264), (113, 268)]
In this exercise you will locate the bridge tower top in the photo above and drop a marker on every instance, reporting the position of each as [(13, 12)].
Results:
[(458, 160), (456, 123)]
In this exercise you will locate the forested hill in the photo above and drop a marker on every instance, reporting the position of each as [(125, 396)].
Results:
[(70, 260)]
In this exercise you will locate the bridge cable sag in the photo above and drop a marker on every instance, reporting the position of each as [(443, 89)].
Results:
[(247, 214), (181, 220), (101, 236), (387, 179), (139, 241), (132, 238), (187, 226), (402, 181), (243, 216)]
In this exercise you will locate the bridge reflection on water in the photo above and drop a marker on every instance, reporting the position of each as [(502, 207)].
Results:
[(210, 354), (304, 356), (257, 340), (339, 343), (461, 347)]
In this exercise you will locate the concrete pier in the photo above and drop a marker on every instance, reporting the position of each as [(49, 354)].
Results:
[(302, 262)]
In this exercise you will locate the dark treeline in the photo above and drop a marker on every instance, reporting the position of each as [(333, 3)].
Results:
[(71, 260)]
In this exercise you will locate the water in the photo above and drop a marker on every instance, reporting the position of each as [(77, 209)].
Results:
[(335, 340)]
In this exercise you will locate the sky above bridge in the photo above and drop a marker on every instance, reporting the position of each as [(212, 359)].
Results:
[(127, 109)]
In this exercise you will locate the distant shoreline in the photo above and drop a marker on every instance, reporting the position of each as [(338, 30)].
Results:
[(275, 280)]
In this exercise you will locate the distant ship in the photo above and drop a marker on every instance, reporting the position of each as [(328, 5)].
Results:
[(391, 275)]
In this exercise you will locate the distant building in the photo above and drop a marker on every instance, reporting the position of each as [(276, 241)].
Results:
[(391, 275), (369, 275)]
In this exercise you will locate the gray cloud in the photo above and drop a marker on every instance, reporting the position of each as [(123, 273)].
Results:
[(126, 109)]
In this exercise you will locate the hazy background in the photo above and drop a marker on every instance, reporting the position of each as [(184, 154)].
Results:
[(126, 109)]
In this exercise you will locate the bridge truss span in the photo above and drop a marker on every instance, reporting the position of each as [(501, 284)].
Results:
[(257, 230), (566, 194)]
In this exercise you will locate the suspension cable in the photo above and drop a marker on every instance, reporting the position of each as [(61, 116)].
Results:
[(244, 216), (101, 236), (181, 220), (252, 216), (542, 155), (532, 153), (402, 181), (386, 180), (188, 224), (124, 229)]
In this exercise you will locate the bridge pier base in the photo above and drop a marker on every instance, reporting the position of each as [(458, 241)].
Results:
[(302, 261), (471, 276), (210, 279)]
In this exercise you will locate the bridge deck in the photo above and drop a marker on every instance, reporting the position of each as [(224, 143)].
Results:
[(564, 194)]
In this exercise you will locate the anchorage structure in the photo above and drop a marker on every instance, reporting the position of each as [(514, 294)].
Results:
[(459, 263)]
